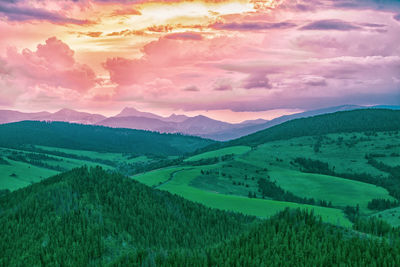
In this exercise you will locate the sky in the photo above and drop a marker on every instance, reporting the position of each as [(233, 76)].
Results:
[(230, 60)]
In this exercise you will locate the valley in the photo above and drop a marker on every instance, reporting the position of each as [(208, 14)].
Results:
[(349, 178)]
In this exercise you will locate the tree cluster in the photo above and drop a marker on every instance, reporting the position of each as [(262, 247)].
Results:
[(291, 238)]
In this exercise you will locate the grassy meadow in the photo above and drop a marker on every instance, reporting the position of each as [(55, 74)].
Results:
[(228, 184), (229, 178)]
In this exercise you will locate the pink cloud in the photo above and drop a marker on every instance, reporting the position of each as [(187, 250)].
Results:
[(52, 65), (185, 36), (257, 80), (304, 54), (183, 56), (22, 11), (191, 88)]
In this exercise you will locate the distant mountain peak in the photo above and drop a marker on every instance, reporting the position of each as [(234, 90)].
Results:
[(129, 109), (133, 112), (66, 111), (177, 117)]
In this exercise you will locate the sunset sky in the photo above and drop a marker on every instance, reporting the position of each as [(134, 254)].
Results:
[(230, 60)]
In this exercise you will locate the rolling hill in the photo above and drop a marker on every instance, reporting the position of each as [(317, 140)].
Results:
[(227, 135), (343, 121), (342, 170), (90, 217), (300, 163)]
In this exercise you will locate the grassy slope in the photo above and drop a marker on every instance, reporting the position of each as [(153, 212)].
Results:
[(391, 216), (258, 207), (339, 191), (115, 157), (26, 174), (236, 150), (225, 196), (157, 177), (219, 192)]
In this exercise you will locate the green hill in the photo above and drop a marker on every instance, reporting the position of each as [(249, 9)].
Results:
[(339, 122), (88, 217), (346, 162), (291, 238), (97, 138), (91, 217)]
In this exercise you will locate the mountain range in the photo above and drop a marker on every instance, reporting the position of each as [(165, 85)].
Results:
[(66, 115), (200, 125)]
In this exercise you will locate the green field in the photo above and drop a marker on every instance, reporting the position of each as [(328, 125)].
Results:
[(114, 157), (341, 192), (258, 207), (20, 174), (235, 150), (231, 183), (355, 145), (157, 177), (391, 216)]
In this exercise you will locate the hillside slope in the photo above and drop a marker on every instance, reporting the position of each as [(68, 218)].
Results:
[(344, 121), (88, 217), (291, 238), (227, 135)]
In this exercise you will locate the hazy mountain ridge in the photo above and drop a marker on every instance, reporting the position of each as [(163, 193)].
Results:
[(200, 125), (249, 129), (66, 115)]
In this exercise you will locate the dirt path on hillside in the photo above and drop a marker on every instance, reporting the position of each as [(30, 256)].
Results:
[(171, 176)]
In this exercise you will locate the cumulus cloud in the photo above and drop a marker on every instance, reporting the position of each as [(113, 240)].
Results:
[(91, 34), (315, 81), (191, 88), (303, 59), (51, 65), (223, 84), (223, 87), (160, 28), (127, 11), (14, 12), (362, 4), (314, 5), (257, 80), (184, 36), (156, 62), (329, 25), (253, 26)]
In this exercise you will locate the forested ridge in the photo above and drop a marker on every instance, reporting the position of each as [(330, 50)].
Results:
[(90, 217), (291, 238), (97, 138), (339, 122)]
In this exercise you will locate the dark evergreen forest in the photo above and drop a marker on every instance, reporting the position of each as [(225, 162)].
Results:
[(97, 138), (91, 217)]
